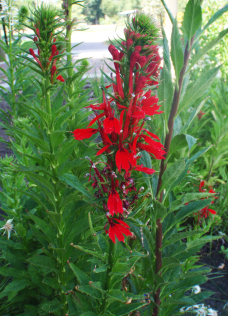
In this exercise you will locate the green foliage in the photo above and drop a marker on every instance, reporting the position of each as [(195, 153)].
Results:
[(93, 11)]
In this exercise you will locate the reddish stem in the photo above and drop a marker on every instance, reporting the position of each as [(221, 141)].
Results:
[(163, 166)]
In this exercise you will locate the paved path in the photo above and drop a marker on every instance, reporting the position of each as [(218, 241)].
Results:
[(93, 47)]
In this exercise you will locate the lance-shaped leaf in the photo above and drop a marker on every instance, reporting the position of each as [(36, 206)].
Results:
[(172, 173), (74, 182), (192, 18), (197, 89), (204, 50), (177, 54)]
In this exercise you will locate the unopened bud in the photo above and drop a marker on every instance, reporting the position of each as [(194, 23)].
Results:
[(86, 157), (133, 95), (93, 166), (147, 119), (141, 189), (86, 175)]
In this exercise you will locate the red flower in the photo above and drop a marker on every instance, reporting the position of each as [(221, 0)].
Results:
[(144, 169), (205, 212), (200, 114), (123, 159), (111, 124), (84, 133), (114, 203), (34, 56), (117, 230), (37, 32), (60, 78)]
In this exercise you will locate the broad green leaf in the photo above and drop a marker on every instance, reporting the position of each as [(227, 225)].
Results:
[(178, 142), (89, 290), (52, 306), (192, 18), (74, 182), (16, 286), (20, 230), (166, 55), (89, 314), (169, 263), (198, 88), (165, 91), (191, 141), (80, 275), (172, 173), (201, 241), (177, 55), (207, 48), (43, 262), (44, 227)]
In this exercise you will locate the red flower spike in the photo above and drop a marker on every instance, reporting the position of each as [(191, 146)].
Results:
[(201, 185), (118, 229), (111, 124), (129, 43), (115, 205), (84, 133), (34, 56), (140, 85), (138, 49), (37, 32), (60, 78)]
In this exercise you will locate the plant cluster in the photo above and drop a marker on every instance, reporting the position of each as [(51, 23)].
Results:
[(118, 244)]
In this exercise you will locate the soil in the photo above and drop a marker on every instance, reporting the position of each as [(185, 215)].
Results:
[(212, 257)]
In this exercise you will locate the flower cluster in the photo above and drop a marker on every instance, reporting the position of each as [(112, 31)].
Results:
[(206, 210), (47, 57), (121, 123)]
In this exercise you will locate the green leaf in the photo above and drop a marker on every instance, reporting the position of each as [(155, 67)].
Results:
[(169, 263), (43, 262), (203, 50), (91, 291), (168, 11), (20, 230), (172, 174), (52, 306), (89, 314), (186, 211), (17, 285), (192, 18), (178, 142), (89, 252), (192, 116), (165, 91), (215, 17), (191, 141), (179, 236), (82, 278), (74, 182), (45, 227), (177, 55), (198, 88), (201, 241), (124, 310)]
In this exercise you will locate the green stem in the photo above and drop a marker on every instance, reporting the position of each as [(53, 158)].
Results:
[(109, 270), (47, 94), (11, 81)]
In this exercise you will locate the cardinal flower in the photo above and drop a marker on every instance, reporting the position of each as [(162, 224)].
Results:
[(114, 203), (117, 229), (83, 133), (111, 124)]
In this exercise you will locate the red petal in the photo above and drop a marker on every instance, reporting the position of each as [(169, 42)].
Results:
[(144, 169), (151, 134), (84, 133), (212, 211), (102, 150), (96, 118), (111, 234), (122, 159), (111, 124)]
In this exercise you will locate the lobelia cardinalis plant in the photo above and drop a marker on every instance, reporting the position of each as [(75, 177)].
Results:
[(163, 276)]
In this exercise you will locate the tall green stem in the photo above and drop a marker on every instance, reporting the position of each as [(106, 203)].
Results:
[(11, 60), (109, 270), (175, 103)]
